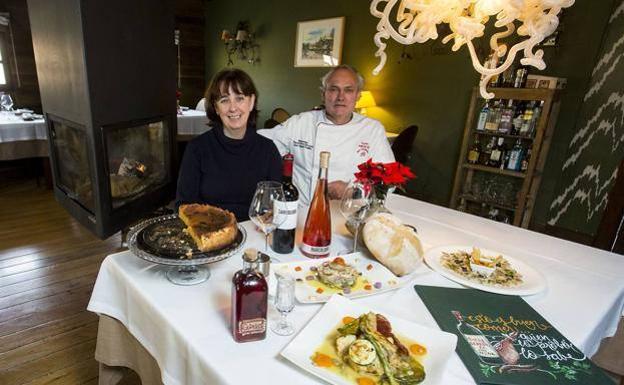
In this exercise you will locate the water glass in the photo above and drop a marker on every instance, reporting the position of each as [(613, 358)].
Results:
[(284, 304), (6, 102)]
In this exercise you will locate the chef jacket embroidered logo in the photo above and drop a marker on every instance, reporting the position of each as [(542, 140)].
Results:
[(362, 149), (302, 144)]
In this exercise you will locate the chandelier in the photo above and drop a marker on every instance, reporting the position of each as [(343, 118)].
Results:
[(417, 22)]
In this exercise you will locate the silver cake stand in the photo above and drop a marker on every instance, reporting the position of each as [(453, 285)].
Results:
[(183, 270)]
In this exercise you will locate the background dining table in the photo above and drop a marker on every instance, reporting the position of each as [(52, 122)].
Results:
[(20, 138), (185, 329)]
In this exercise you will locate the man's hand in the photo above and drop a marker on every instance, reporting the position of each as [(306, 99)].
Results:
[(336, 189)]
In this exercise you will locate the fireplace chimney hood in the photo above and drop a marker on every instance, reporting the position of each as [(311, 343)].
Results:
[(107, 79)]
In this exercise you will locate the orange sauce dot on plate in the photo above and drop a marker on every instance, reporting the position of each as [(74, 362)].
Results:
[(319, 290), (365, 381), (347, 320), (298, 268), (322, 360), (368, 287), (418, 349)]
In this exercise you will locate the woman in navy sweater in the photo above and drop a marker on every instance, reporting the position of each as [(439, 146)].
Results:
[(222, 166)]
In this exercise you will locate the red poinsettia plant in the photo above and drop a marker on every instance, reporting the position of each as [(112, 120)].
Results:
[(383, 176)]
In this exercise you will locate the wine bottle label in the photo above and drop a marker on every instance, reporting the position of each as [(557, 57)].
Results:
[(285, 214), (495, 156), (481, 345), (252, 326), (315, 250)]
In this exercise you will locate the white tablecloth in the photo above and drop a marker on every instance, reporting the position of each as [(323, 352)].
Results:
[(186, 329), (14, 129), (192, 122)]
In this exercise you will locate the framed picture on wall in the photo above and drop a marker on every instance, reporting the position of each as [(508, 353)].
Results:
[(319, 42)]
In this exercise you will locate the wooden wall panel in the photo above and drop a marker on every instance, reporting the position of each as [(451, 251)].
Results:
[(26, 93)]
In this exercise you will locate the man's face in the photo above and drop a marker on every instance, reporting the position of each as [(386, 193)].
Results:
[(340, 95)]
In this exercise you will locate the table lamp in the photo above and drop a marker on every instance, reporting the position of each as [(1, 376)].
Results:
[(366, 100)]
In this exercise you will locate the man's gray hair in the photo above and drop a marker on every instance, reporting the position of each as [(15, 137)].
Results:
[(360, 78)]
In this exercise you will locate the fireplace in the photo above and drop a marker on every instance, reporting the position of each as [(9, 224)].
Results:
[(107, 79)]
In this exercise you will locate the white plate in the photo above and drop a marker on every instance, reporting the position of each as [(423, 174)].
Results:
[(306, 291), (440, 345), (532, 281)]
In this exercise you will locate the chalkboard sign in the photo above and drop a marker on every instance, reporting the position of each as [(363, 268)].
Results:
[(503, 340)]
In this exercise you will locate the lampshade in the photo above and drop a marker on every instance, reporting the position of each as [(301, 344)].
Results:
[(366, 100)]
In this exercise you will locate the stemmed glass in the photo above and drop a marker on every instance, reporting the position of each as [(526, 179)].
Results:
[(354, 205), (6, 102), (284, 303), (261, 211)]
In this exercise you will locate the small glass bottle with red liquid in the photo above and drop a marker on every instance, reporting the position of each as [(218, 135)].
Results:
[(249, 301)]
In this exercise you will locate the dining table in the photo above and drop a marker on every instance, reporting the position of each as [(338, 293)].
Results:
[(21, 138), (178, 335)]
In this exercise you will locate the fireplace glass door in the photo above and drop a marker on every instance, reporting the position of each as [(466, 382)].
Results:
[(138, 159)]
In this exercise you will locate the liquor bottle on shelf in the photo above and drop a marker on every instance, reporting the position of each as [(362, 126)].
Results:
[(493, 118), (249, 301), (475, 151), (521, 77), (537, 111), (524, 164), (516, 122), (506, 117), (509, 76), (484, 158), (483, 116), (497, 153), (283, 241), (317, 229), (527, 119), (477, 341), (515, 156)]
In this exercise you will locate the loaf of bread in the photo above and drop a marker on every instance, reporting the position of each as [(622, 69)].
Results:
[(392, 243)]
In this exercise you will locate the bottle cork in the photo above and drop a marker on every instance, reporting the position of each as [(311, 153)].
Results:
[(324, 162)]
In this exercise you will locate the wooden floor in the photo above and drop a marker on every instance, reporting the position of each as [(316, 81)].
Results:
[(48, 265)]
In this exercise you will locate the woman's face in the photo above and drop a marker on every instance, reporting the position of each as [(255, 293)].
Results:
[(233, 108)]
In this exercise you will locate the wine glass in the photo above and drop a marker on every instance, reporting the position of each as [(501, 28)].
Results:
[(284, 304), (6, 102), (261, 211), (354, 205)]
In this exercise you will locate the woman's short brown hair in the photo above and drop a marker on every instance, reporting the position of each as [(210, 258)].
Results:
[(240, 82)]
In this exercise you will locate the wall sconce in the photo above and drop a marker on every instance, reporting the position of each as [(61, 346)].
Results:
[(242, 44), (366, 100)]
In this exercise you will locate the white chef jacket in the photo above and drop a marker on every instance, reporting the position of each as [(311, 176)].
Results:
[(307, 134)]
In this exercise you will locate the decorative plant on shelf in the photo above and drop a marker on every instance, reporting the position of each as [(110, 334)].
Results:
[(383, 177)]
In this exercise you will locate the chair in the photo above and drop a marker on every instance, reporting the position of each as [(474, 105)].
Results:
[(278, 116), (610, 234), (404, 143), (201, 105)]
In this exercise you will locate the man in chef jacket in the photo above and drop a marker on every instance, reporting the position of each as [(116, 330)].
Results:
[(351, 138)]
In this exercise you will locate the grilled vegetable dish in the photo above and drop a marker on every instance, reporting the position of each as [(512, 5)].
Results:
[(368, 346)]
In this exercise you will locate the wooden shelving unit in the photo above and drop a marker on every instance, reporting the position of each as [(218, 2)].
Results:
[(522, 208)]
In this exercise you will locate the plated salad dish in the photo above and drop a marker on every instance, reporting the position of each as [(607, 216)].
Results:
[(475, 266), (351, 275)]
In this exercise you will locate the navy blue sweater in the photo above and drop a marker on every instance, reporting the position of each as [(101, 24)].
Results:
[(223, 172)]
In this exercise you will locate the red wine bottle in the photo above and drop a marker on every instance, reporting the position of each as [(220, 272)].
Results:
[(317, 229), (283, 241)]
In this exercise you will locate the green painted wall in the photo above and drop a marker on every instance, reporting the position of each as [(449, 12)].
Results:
[(431, 90)]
